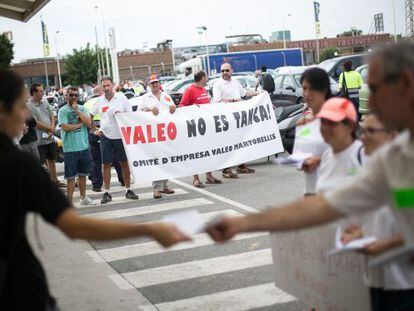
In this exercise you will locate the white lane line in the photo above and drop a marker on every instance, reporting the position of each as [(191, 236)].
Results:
[(115, 189), (247, 298), (199, 268), (123, 199), (152, 248), (216, 196), (150, 209)]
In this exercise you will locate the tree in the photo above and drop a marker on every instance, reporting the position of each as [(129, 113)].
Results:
[(328, 53), (351, 33), (82, 66), (6, 51)]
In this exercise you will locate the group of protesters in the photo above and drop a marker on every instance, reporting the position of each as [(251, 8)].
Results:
[(344, 176)]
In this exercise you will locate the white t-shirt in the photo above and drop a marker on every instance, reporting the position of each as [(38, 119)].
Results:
[(336, 168), (107, 110), (227, 89), (398, 274), (388, 179), (149, 100), (309, 140)]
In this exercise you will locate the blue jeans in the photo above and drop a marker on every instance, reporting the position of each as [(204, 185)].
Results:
[(77, 163), (96, 170)]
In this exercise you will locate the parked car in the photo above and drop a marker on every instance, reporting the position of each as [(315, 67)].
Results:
[(288, 87), (364, 91), (248, 82), (177, 88), (335, 66)]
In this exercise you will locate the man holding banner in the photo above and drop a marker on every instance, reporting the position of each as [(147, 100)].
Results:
[(196, 94), (228, 90), (154, 101)]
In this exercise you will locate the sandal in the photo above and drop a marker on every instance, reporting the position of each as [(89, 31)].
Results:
[(60, 184), (157, 195), (229, 174), (168, 191), (213, 181), (245, 170), (198, 184)]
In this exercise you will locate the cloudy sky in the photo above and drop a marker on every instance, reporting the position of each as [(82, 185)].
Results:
[(137, 21)]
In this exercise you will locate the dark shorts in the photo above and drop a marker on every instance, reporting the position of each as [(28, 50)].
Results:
[(110, 147), (77, 163), (47, 152)]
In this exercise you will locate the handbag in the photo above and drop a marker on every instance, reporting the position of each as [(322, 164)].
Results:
[(344, 88)]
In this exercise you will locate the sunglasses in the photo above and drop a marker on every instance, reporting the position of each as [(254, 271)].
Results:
[(225, 70), (73, 95)]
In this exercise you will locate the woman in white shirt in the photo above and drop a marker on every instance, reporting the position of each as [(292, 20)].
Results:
[(316, 91), (343, 157), (392, 284)]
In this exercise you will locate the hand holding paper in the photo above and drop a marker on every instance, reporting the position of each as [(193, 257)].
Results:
[(354, 245)]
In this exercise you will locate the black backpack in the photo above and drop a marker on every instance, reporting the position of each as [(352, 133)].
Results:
[(268, 84)]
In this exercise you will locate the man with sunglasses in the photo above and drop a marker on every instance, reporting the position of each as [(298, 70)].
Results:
[(228, 90), (74, 121), (387, 180)]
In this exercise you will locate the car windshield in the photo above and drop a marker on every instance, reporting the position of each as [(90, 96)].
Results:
[(297, 78), (327, 65)]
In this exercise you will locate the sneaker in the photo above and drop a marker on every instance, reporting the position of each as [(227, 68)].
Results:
[(97, 189), (106, 198), (131, 195), (87, 201)]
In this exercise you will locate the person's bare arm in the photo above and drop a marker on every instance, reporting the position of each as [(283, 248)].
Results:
[(83, 227), (71, 127), (304, 213), (44, 127), (251, 93), (84, 118)]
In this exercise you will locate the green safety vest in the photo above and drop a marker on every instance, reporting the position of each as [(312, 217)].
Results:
[(353, 80), (89, 106)]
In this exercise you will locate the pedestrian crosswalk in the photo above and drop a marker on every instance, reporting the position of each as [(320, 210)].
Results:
[(196, 275)]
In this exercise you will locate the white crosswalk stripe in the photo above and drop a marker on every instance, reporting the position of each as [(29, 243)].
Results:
[(115, 189), (199, 268), (240, 299), (151, 209), (152, 248), (123, 199)]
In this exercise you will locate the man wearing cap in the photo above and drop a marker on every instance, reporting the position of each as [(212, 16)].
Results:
[(107, 107), (154, 101), (228, 90)]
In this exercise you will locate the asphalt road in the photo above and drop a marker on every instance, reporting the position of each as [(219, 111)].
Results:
[(200, 275)]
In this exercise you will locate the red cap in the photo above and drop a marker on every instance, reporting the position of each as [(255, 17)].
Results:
[(338, 109)]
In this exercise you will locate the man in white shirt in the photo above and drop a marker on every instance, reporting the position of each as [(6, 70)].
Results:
[(107, 107), (154, 101), (387, 180), (228, 90)]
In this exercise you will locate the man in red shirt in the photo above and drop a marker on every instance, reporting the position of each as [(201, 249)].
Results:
[(196, 94)]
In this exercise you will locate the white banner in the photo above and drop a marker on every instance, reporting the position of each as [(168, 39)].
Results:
[(199, 139), (324, 282)]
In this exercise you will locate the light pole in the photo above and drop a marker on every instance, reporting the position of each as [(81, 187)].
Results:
[(395, 22), (283, 30), (57, 59), (204, 29), (105, 40)]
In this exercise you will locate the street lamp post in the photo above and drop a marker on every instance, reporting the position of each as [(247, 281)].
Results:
[(106, 40), (283, 30), (57, 60), (204, 29)]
